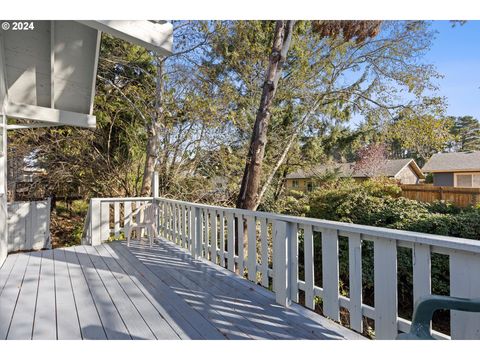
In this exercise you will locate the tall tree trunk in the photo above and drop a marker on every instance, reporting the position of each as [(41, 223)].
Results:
[(272, 174), (152, 133), (286, 149), (247, 198)]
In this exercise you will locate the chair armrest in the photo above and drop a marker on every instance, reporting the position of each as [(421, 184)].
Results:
[(427, 305)]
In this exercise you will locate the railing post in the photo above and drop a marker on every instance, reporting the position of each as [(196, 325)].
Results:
[(281, 263), (197, 239), (385, 290), (161, 210), (105, 220), (292, 245), (191, 230), (95, 222), (465, 283), (156, 216)]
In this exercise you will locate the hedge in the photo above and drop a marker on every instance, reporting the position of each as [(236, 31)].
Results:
[(378, 203)]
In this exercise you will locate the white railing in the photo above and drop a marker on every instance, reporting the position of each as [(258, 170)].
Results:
[(107, 218), (270, 256)]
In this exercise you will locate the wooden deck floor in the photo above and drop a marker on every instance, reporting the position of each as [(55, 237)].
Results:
[(115, 292)]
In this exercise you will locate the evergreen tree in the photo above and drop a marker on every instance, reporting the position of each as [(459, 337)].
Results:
[(467, 131)]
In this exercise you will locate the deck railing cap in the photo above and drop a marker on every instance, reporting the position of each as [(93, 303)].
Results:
[(450, 242)]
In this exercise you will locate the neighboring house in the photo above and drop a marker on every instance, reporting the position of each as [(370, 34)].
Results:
[(405, 171), (461, 169)]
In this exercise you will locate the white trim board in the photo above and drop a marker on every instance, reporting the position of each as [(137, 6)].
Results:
[(49, 116), (156, 37), (30, 126)]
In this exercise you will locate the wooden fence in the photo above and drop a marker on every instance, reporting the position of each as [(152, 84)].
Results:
[(460, 196)]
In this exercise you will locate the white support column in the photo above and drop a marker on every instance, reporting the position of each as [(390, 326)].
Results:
[(95, 222), (3, 190), (155, 184), (3, 157)]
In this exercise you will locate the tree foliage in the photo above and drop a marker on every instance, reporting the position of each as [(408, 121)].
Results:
[(211, 93), (466, 130), (421, 136)]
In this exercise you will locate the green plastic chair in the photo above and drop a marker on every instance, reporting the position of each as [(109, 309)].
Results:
[(426, 306)]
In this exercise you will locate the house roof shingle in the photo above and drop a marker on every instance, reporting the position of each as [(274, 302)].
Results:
[(449, 162), (391, 168)]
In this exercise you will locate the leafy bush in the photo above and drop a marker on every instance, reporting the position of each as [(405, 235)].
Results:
[(377, 203), (443, 207), (296, 203), (369, 203)]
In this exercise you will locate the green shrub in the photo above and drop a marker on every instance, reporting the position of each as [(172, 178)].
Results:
[(368, 203), (296, 203), (377, 203), (381, 187), (443, 207)]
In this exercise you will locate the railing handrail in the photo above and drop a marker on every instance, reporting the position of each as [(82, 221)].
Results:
[(121, 199), (449, 242)]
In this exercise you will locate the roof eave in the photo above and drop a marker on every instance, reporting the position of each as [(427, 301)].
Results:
[(450, 170), (154, 36), (416, 169)]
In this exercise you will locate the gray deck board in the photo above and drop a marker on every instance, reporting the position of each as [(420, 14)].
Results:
[(117, 292), (227, 323), (8, 300), (238, 301), (309, 326), (263, 313), (297, 315), (6, 269), (21, 327), (218, 305), (172, 302), (112, 322), (45, 322), (157, 324), (210, 307), (160, 301), (68, 325), (90, 324), (134, 321)]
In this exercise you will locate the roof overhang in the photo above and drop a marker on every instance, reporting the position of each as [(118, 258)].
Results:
[(48, 75), (154, 36), (451, 171)]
